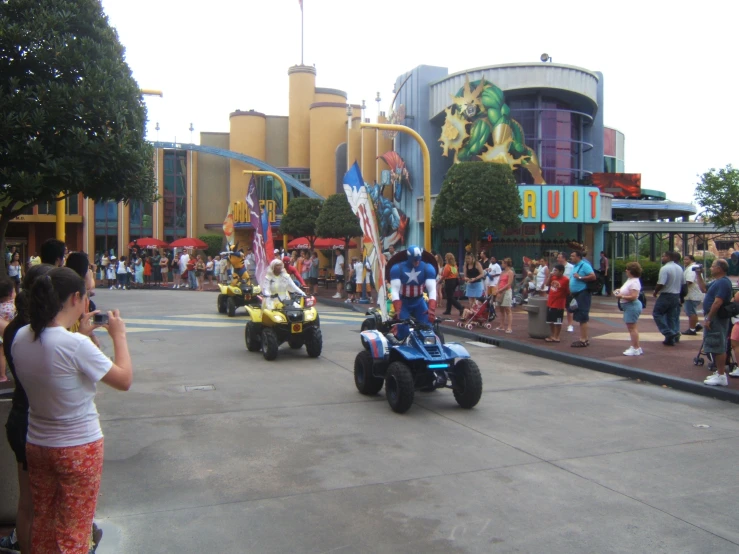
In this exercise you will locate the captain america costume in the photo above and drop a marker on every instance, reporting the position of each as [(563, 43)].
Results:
[(408, 279)]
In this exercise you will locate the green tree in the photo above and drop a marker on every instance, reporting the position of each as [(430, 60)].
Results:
[(337, 221), (214, 242), (71, 115), (479, 196), (300, 219), (718, 194)]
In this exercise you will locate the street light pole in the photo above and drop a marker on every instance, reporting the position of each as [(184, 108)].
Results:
[(426, 174)]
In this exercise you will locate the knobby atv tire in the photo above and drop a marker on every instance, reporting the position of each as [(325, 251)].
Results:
[(365, 381), (269, 344), (467, 383), (252, 337), (221, 303), (313, 341), (230, 306), (399, 387), (295, 343)]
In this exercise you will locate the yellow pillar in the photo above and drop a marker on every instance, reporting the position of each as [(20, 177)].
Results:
[(61, 217), (426, 174), (302, 95)]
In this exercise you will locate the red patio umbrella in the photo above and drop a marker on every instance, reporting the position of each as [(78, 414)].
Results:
[(189, 242), (325, 244), (148, 242), (320, 244)]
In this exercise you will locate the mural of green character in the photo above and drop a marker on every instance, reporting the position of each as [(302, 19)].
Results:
[(478, 126)]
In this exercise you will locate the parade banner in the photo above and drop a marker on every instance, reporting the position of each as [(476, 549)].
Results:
[(228, 227), (359, 199), (258, 246)]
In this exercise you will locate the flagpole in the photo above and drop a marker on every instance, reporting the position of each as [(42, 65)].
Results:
[(301, 33)]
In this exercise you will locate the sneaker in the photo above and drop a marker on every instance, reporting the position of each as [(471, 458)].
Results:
[(734, 373), (699, 327), (570, 329), (9, 543), (337, 295), (97, 535), (717, 380), (691, 332), (112, 288), (119, 287), (633, 351)]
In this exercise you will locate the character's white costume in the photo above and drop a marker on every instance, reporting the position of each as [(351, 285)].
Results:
[(279, 285)]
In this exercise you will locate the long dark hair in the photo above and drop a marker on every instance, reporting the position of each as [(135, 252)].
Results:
[(49, 293)]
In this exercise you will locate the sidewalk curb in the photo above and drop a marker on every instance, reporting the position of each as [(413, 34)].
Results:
[(677, 383)]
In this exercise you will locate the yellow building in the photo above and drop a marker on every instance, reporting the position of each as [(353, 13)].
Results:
[(197, 183)]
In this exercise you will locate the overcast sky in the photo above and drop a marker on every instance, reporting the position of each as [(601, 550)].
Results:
[(669, 73)]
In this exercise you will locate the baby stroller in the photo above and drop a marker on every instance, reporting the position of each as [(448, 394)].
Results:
[(521, 294), (482, 316), (731, 362)]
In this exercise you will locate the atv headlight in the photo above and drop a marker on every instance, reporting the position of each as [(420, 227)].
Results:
[(310, 315), (279, 318), (429, 340)]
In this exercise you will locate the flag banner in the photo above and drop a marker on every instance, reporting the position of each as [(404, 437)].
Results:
[(228, 226), (359, 199), (260, 256), (269, 245)]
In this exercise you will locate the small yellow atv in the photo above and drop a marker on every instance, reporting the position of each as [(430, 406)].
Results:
[(294, 321), (236, 294)]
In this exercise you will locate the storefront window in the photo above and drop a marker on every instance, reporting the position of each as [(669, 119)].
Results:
[(106, 227), (175, 194), (140, 220)]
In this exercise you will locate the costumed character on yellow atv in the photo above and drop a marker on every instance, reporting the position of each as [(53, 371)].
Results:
[(240, 291), (286, 315)]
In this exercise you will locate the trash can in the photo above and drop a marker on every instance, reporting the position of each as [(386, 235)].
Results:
[(8, 469), (537, 308)]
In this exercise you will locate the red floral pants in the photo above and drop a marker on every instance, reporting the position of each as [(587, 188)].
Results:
[(64, 484)]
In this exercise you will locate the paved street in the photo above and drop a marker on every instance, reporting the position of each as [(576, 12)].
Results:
[(287, 457)]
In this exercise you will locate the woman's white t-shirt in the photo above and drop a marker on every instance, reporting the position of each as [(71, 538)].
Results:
[(59, 372), (632, 284)]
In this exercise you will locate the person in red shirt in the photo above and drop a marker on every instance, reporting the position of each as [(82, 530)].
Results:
[(292, 271), (559, 290)]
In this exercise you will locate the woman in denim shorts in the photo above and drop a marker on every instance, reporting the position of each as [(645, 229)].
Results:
[(629, 296)]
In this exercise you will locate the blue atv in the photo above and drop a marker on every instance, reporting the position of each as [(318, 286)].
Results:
[(421, 362)]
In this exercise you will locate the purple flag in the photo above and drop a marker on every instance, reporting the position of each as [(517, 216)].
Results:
[(260, 256)]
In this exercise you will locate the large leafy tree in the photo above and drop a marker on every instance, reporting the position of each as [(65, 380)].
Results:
[(337, 221), (718, 195), (480, 196), (300, 219), (72, 117)]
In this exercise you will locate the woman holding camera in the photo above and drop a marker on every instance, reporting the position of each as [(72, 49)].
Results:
[(59, 371)]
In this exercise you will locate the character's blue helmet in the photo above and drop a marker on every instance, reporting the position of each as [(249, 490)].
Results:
[(415, 253)]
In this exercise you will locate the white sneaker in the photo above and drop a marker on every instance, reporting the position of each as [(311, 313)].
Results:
[(112, 288), (631, 351), (717, 380), (337, 295), (734, 373), (119, 287), (570, 329)]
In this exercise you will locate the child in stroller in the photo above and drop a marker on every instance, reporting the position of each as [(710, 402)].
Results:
[(481, 314)]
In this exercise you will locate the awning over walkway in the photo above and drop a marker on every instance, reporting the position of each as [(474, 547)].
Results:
[(664, 227)]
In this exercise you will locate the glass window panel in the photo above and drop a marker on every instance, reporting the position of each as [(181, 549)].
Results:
[(620, 166), (180, 185), (168, 183)]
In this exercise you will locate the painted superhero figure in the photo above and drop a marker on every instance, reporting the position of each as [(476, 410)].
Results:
[(236, 257), (407, 282)]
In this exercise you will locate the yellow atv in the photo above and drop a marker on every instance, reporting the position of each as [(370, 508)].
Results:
[(236, 294), (295, 321)]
